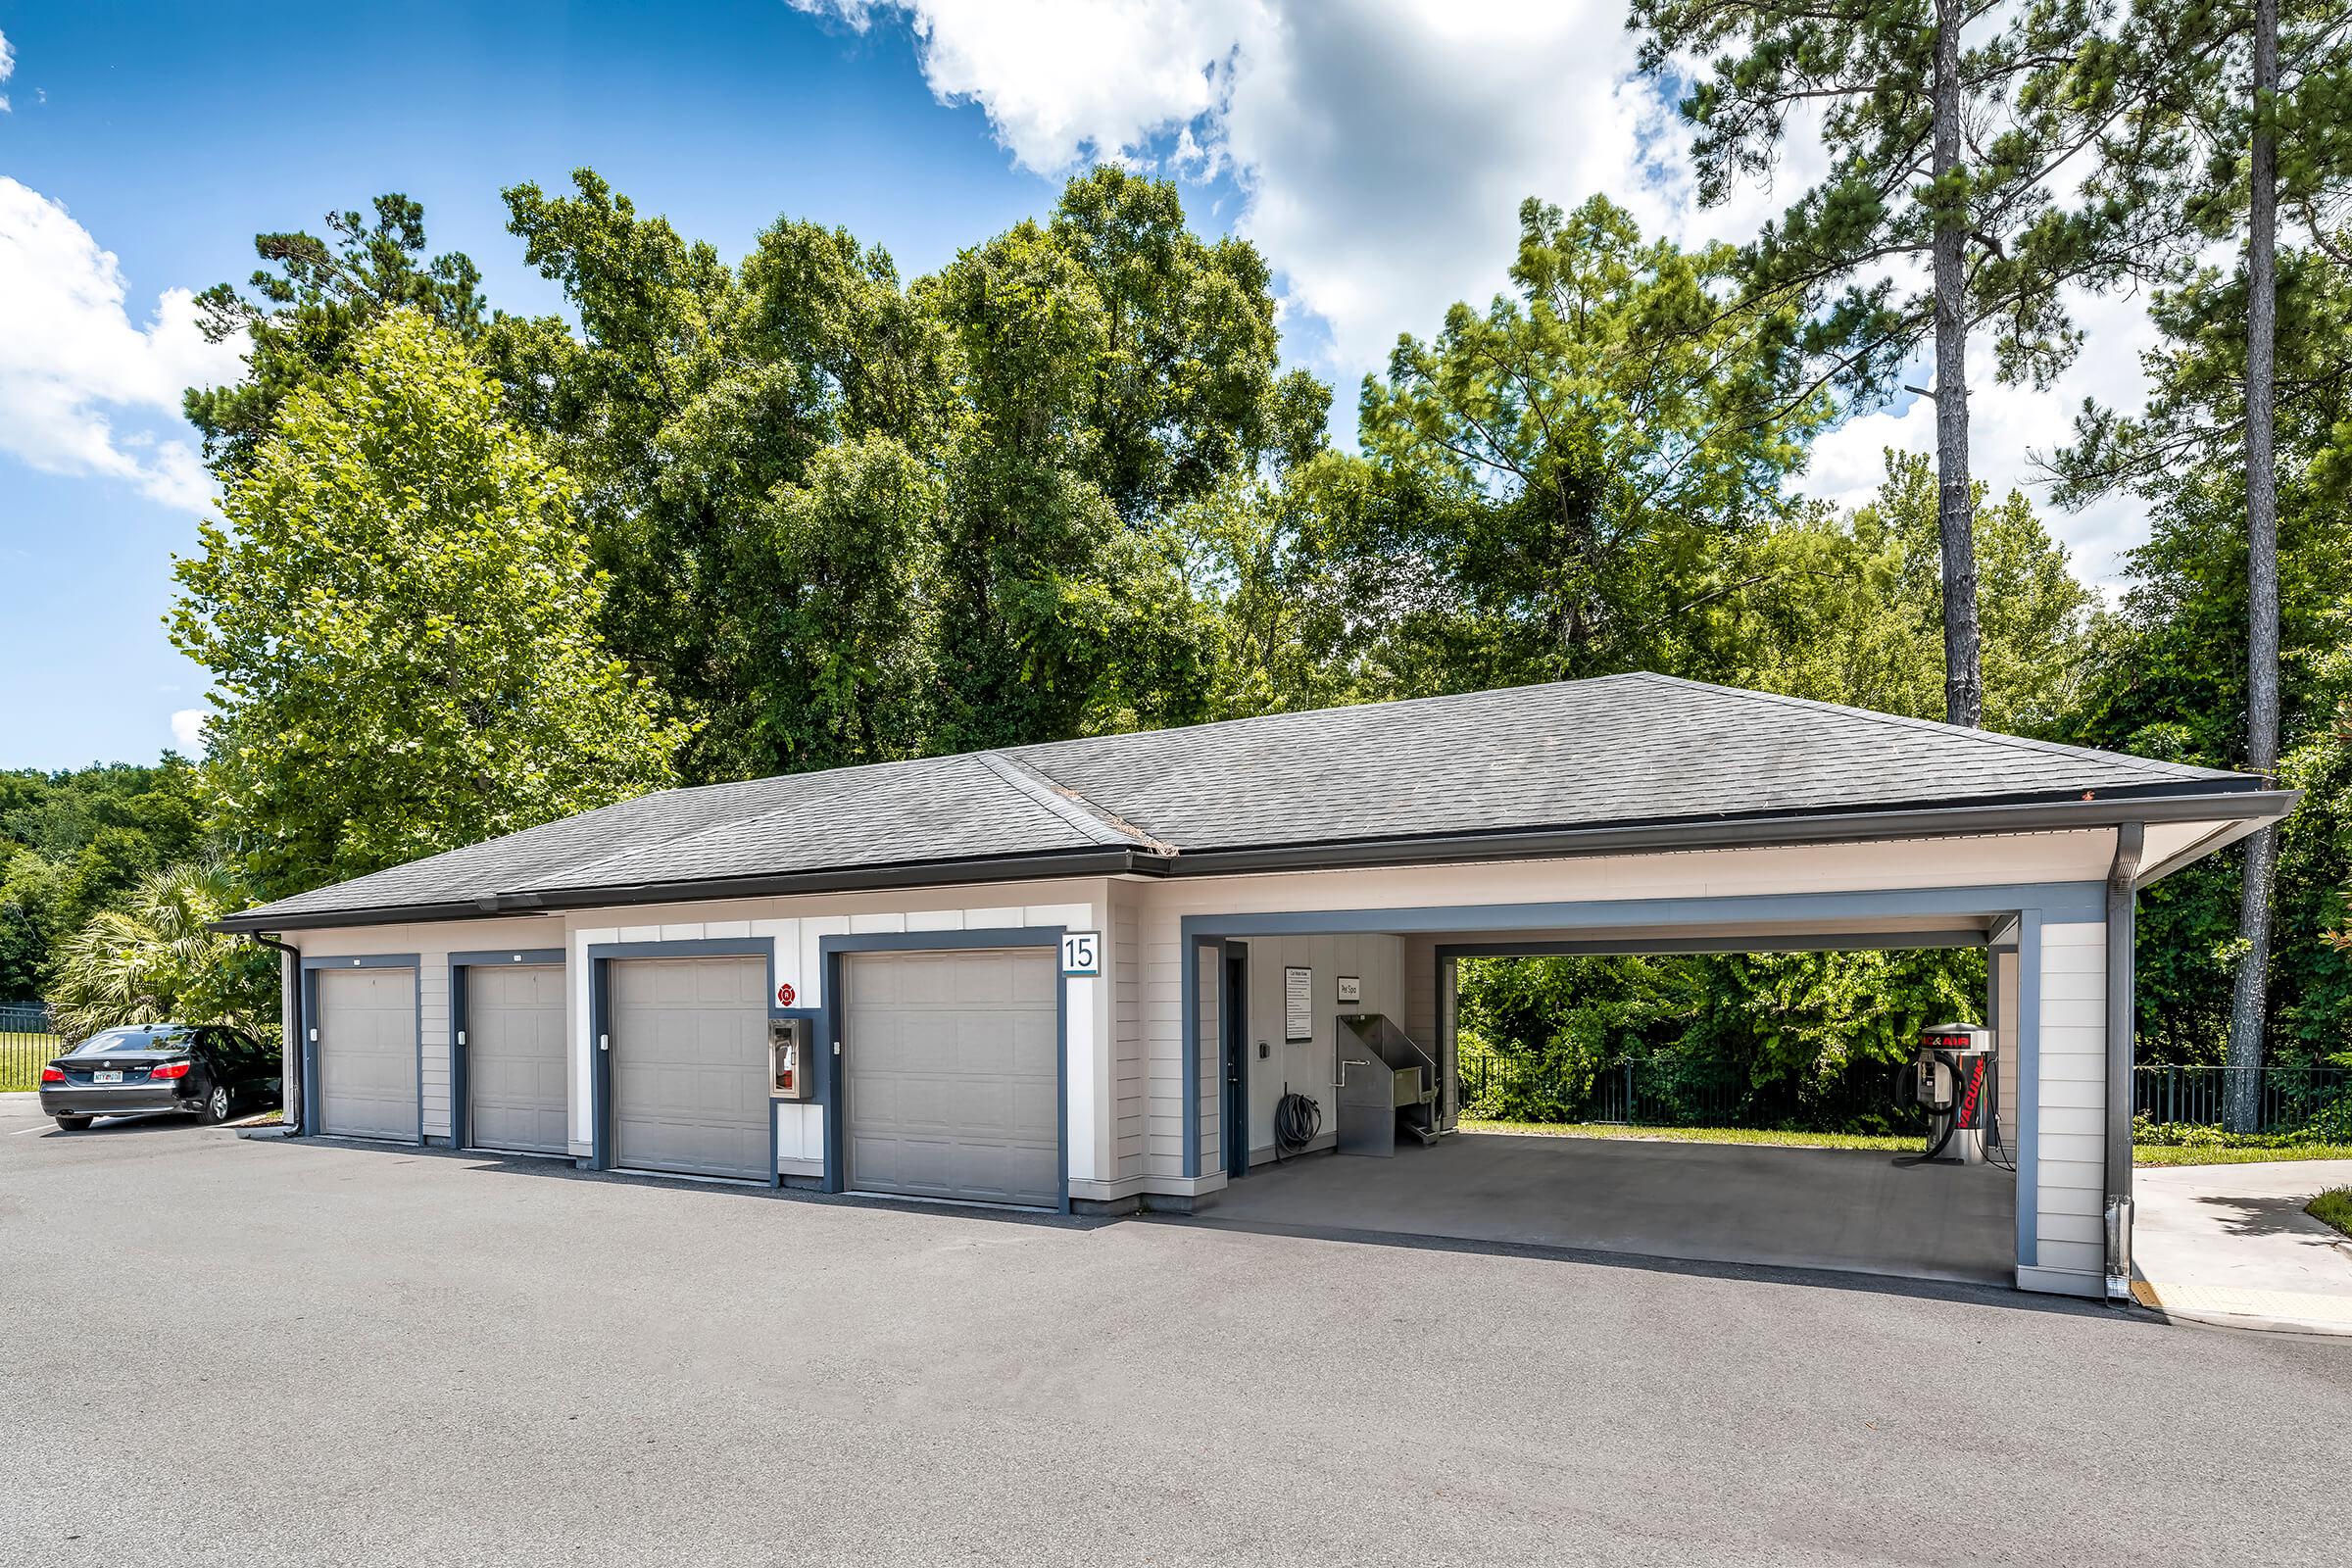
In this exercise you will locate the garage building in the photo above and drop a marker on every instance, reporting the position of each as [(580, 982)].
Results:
[(1082, 974)]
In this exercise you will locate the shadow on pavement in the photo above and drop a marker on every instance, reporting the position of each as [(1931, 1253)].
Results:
[(1761, 1273), (2267, 1216), (561, 1167)]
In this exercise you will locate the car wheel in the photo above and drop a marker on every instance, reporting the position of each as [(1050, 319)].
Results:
[(72, 1124), (216, 1105)]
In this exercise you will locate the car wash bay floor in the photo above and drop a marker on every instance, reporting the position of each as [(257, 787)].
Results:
[(317, 1354), (1826, 1209)]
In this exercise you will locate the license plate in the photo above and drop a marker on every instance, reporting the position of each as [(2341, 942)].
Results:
[(104, 1077)]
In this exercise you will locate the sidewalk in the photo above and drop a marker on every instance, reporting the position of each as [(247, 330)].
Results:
[(2231, 1245)]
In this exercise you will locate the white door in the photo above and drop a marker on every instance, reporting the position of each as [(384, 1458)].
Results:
[(952, 1062), (517, 1090), (689, 1068), (368, 1054)]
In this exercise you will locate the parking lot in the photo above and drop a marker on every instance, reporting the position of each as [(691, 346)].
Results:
[(307, 1352)]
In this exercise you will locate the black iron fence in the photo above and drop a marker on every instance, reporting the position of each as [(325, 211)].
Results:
[(26, 1043), (1634, 1092), (1669, 1092), (2285, 1098)]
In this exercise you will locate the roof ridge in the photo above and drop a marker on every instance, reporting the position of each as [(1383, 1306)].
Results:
[(1938, 726), (1103, 825)]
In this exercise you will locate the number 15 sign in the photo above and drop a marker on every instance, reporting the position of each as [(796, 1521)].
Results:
[(1081, 953)]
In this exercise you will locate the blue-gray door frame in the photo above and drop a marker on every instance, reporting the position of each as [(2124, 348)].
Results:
[(1233, 1020), (2031, 903), (831, 1083), (459, 1110), (311, 968), (601, 957)]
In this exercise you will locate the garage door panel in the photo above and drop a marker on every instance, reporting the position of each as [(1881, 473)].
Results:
[(1038, 985), (951, 1067), (367, 1053), (518, 1090), (689, 1068)]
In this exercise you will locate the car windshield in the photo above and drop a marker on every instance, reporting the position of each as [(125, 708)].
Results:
[(110, 1040)]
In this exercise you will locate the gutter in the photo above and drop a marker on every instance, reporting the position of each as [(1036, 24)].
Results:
[(1102, 861), (2250, 809), (290, 1086), (2122, 900), (2245, 809)]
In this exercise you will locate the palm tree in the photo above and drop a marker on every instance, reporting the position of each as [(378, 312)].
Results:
[(153, 958)]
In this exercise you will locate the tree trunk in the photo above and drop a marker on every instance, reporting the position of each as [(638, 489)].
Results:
[(1955, 499), (2250, 999)]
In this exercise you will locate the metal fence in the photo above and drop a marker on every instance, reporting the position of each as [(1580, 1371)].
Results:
[(1633, 1092), (26, 1043), (1668, 1094), (2284, 1097)]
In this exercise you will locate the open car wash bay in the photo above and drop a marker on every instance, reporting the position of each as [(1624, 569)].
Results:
[(1088, 975)]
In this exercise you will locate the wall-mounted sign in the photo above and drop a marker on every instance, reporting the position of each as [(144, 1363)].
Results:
[(1297, 1004), (1351, 988), (1081, 953), (785, 995)]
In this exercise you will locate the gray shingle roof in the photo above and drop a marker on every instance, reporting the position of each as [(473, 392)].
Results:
[(1618, 749)]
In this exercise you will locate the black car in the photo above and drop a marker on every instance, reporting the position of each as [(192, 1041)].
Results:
[(204, 1069)]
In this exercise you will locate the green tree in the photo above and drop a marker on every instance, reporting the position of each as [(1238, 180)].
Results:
[(849, 520), (1563, 472), (397, 613), (1848, 610), (322, 294), (2171, 673), (2260, 128), (1182, 391), (1289, 570), (75, 842), (154, 959), (1941, 152)]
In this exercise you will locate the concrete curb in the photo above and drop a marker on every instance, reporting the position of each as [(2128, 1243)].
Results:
[(2254, 1324), (2261, 1312)]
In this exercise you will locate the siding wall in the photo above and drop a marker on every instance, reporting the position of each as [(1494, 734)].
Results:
[(2070, 1136), (1310, 1066), (432, 943), (1128, 1133), (798, 927), (1127, 1067)]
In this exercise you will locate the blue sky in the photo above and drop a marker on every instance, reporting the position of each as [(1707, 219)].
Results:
[(1375, 152)]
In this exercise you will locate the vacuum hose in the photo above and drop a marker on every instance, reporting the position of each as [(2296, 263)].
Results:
[(1909, 1082), (1297, 1121)]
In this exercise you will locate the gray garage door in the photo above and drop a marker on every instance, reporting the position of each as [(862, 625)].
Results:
[(953, 1064), (690, 1065), (367, 1053), (515, 1070)]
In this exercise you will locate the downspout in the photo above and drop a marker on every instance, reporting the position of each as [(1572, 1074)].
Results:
[(289, 1050), (2122, 900)]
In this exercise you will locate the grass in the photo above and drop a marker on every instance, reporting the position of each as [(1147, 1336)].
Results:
[(2332, 1207), (1893, 1142), (1695, 1135), (2233, 1153)]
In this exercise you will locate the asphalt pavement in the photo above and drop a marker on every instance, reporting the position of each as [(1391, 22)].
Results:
[(228, 1351)]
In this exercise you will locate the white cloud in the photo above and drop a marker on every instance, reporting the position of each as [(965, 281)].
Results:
[(187, 730), (8, 68), (1384, 146), (1383, 149), (73, 362)]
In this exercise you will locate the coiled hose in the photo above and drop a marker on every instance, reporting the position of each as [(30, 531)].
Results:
[(1297, 1121)]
